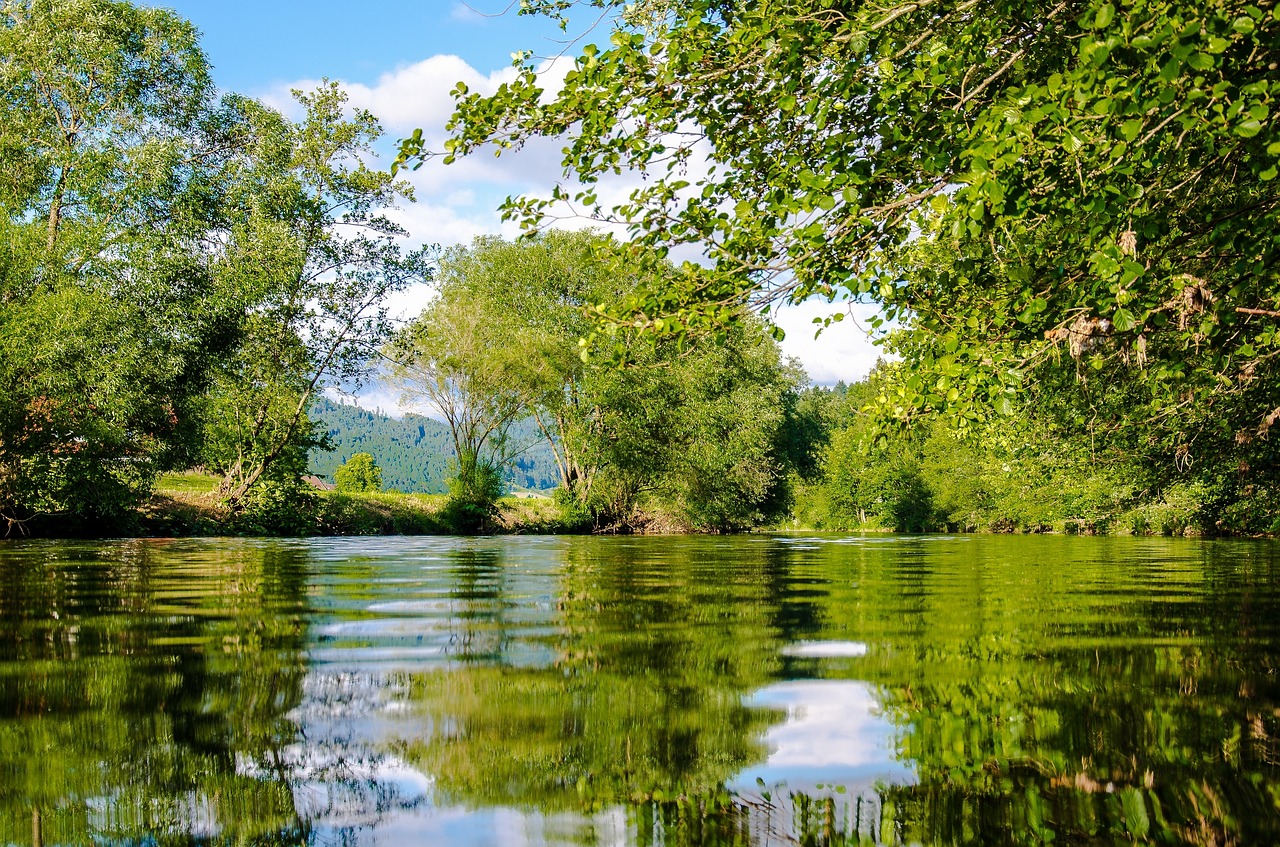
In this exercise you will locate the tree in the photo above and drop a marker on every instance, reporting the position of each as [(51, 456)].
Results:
[(697, 428), (358, 474), (109, 315), (470, 369), (697, 434), (532, 298), (1083, 187), (98, 99), (312, 258)]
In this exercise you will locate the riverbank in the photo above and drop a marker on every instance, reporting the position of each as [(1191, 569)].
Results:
[(187, 504)]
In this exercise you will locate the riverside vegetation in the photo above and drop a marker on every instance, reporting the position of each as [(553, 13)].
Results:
[(1069, 221)]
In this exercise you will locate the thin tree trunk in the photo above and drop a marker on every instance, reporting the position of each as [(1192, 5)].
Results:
[(55, 207), (562, 464), (241, 488)]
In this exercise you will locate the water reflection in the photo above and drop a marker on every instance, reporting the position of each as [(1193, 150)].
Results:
[(134, 678), (640, 691)]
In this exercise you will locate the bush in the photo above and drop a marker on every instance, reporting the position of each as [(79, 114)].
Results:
[(473, 496), (358, 475), (278, 506)]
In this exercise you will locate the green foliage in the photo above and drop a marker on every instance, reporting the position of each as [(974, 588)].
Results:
[(380, 514), (178, 276), (682, 436), (414, 450), (277, 505), (1016, 473), (1072, 206), (474, 489), (470, 365), (358, 474), (279, 502), (109, 317), (699, 431), (311, 257)]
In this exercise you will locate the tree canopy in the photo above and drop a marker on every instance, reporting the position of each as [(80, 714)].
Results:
[(1080, 186), (108, 315), (692, 432), (359, 474), (179, 273), (310, 256)]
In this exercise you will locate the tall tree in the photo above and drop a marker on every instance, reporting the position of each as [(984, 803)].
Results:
[(108, 313), (97, 102), (469, 362), (695, 429), (312, 257), (524, 306)]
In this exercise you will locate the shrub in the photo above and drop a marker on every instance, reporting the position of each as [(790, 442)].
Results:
[(358, 475)]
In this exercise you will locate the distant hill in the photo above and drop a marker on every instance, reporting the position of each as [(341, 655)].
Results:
[(414, 452)]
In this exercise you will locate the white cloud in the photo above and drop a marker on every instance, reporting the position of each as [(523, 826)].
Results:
[(828, 723), (457, 202), (843, 351), (408, 97)]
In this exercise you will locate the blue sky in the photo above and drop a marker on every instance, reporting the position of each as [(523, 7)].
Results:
[(400, 59), (256, 45)]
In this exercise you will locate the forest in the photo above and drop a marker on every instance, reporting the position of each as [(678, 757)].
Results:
[(1073, 248)]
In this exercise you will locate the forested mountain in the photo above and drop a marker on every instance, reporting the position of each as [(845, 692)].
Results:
[(414, 451)]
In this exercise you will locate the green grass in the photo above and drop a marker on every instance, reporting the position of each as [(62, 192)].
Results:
[(186, 504), (186, 483), (380, 514)]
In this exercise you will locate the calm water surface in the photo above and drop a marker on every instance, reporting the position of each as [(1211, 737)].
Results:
[(677, 691)]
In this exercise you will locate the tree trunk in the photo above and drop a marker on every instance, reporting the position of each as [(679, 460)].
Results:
[(55, 207)]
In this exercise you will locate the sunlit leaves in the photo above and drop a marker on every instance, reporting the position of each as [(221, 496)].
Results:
[(1050, 131)]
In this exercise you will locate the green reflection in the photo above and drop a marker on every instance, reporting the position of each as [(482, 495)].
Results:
[(137, 682), (649, 650), (1022, 691), (1075, 691)]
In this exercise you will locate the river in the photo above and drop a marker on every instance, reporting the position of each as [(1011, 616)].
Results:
[(933, 690)]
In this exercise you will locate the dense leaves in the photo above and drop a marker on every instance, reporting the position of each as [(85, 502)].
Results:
[(681, 436), (312, 257), (1080, 192), (178, 275), (359, 474), (107, 310), (1018, 473)]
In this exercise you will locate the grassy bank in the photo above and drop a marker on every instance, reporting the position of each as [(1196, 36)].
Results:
[(187, 504)]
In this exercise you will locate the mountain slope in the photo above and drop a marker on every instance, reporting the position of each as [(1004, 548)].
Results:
[(415, 451)]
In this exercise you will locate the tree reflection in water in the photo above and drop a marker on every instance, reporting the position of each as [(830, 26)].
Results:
[(135, 687), (630, 691)]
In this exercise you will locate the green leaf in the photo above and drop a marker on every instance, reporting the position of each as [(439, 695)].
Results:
[(1123, 320), (1200, 61), (1249, 128)]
